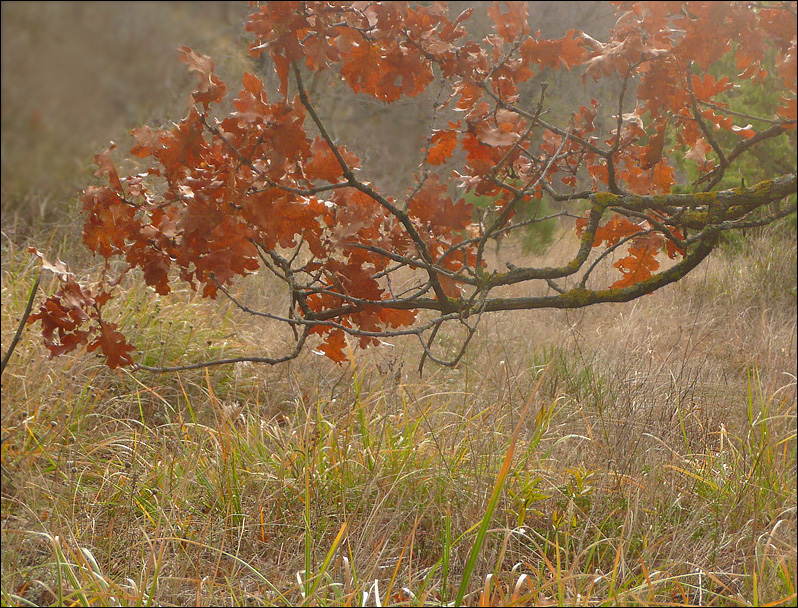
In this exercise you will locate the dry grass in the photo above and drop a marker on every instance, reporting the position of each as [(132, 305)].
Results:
[(657, 465), (78, 75)]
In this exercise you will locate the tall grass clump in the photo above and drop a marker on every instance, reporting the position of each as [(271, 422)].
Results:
[(654, 463)]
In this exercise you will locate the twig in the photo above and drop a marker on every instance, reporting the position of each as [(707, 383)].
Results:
[(22, 321)]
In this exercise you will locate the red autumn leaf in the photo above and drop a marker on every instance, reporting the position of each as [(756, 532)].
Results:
[(324, 165), (662, 178), (60, 325), (653, 153), (599, 171), (67, 342), (156, 271), (565, 52), (105, 166), (505, 133), (433, 208), (251, 103), (698, 152), (746, 131), (196, 62), (56, 315), (76, 299), (617, 228), (587, 116), (511, 24), (480, 159), (636, 267), (59, 268), (210, 87), (177, 150), (788, 111), (286, 136), (354, 280), (723, 122), (671, 248), (63, 315), (113, 345), (381, 67), (278, 27), (450, 287), (469, 93), (442, 145), (705, 87), (334, 345), (109, 222), (148, 141), (392, 317)]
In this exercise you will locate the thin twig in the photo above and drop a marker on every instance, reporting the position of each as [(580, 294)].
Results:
[(268, 360), (22, 322)]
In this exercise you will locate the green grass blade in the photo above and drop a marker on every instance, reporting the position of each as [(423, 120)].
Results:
[(494, 498), (328, 559)]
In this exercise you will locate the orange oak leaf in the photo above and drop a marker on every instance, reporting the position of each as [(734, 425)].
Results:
[(105, 166), (746, 131), (705, 87), (723, 122), (392, 317), (278, 27), (382, 68), (60, 325), (113, 345), (64, 317), (334, 346), (155, 266), (511, 24), (788, 111), (324, 165), (636, 267), (671, 248), (505, 133), (662, 177), (433, 208), (442, 145), (613, 231), (109, 223), (450, 287), (565, 52), (469, 92), (59, 268), (210, 87), (653, 152), (698, 152), (177, 149)]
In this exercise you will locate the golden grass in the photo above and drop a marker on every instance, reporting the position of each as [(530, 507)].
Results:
[(657, 465)]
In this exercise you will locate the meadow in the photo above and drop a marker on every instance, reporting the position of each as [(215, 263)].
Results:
[(644, 454)]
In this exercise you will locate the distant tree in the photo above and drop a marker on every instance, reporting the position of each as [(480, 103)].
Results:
[(267, 188)]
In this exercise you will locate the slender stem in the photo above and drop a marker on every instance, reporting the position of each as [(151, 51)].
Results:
[(22, 322), (268, 360)]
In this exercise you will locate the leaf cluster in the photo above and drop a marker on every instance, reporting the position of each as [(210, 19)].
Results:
[(266, 188)]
